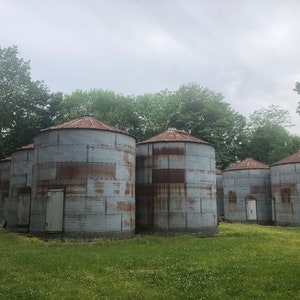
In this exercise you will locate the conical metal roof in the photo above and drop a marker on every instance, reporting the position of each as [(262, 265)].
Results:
[(86, 122), (248, 163), (291, 159), (6, 159), (26, 147), (173, 135)]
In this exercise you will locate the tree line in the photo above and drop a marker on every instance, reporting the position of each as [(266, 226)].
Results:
[(27, 106)]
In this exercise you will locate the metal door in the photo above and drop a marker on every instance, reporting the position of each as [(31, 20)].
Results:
[(54, 211), (23, 209), (251, 210)]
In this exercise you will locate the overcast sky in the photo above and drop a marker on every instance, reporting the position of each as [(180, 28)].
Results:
[(248, 50)]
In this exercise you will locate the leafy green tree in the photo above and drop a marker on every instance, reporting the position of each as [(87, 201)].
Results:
[(270, 143), (272, 115), (269, 139), (23, 102), (154, 112), (107, 106), (205, 115)]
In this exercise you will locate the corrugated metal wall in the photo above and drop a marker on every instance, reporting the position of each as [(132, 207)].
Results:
[(242, 185), (286, 194), (96, 171), (20, 189), (176, 187), (5, 166)]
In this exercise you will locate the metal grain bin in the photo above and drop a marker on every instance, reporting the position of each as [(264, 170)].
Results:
[(5, 165), (247, 192), (220, 193), (83, 180), (285, 178), (176, 184), (20, 188)]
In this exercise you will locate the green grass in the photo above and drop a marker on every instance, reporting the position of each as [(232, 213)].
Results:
[(241, 262)]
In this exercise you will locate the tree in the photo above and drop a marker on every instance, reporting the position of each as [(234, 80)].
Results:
[(272, 115), (107, 106), (23, 102), (270, 143), (154, 112), (269, 139), (205, 115)]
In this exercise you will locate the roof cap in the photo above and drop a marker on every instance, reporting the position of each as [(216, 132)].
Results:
[(248, 163), (173, 135)]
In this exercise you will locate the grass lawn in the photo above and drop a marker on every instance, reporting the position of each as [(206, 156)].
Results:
[(241, 262)]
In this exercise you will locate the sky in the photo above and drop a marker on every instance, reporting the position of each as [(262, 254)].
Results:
[(247, 50)]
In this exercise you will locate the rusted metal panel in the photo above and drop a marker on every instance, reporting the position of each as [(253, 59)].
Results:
[(168, 176), (70, 170), (168, 150)]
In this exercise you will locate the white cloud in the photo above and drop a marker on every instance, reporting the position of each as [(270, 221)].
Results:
[(247, 50)]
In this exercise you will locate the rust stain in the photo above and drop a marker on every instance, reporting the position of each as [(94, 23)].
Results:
[(117, 188), (257, 189), (144, 162), (232, 206), (276, 188), (126, 206), (99, 188), (130, 223), (4, 185), (72, 170), (128, 189), (72, 187), (168, 151), (24, 190), (168, 176)]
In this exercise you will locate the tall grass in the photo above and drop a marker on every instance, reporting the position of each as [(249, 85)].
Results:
[(241, 262)]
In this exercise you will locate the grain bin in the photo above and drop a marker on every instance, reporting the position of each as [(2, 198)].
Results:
[(247, 192), (220, 193), (83, 180), (5, 165), (285, 178), (20, 188), (176, 184)]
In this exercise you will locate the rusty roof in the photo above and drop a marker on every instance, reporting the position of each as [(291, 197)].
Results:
[(26, 147), (291, 159), (173, 135), (218, 171), (248, 163), (86, 122), (6, 159)]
